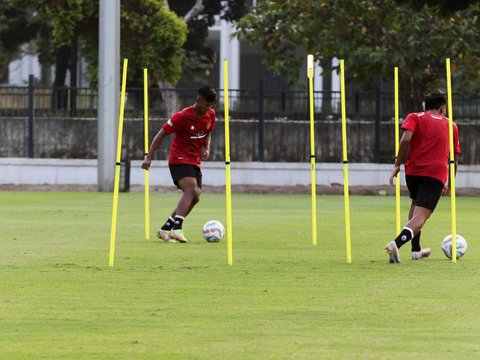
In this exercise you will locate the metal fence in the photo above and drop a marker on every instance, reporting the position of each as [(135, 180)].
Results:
[(61, 122), (244, 104)]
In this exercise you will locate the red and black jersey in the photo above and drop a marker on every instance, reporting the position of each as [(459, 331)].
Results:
[(190, 135), (429, 147)]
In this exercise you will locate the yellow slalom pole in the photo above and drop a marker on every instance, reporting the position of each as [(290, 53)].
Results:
[(345, 163), (146, 173), (228, 186), (117, 166), (452, 163), (397, 135), (312, 149)]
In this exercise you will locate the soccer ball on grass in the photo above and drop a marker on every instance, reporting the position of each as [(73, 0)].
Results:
[(447, 246), (213, 231)]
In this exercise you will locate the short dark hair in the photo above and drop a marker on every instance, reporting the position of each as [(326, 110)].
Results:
[(208, 92), (435, 101)]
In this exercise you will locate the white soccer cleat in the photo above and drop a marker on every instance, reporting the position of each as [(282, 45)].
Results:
[(178, 235), (424, 253), (165, 236), (393, 253)]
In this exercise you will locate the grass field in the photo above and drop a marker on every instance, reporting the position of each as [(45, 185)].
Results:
[(282, 299)]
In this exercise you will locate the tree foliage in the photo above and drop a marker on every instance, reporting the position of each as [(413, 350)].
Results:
[(152, 36), (199, 57), (17, 27), (373, 36), (445, 7)]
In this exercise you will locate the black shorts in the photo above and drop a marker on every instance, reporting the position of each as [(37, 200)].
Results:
[(179, 171), (424, 190)]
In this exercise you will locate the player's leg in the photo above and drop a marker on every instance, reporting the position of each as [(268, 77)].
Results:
[(393, 247), (198, 190), (416, 242), (429, 193), (416, 239), (187, 178), (190, 196), (420, 216), (194, 202), (425, 193), (177, 171), (194, 188), (164, 232), (412, 208)]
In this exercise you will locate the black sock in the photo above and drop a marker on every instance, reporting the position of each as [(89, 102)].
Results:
[(168, 224), (416, 242), (405, 235), (178, 222)]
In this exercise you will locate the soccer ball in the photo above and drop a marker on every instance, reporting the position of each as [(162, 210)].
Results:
[(447, 246), (213, 231)]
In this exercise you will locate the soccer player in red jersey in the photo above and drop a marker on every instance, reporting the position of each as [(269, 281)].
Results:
[(192, 127), (425, 152)]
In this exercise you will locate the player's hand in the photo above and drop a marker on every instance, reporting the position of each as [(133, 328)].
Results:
[(446, 190), (205, 153), (393, 175), (146, 164)]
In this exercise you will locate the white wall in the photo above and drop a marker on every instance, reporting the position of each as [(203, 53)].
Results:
[(21, 68), (84, 172)]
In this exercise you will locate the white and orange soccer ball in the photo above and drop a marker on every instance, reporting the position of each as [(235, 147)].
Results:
[(213, 231), (447, 246)]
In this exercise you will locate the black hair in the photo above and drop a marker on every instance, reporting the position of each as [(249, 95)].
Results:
[(208, 92), (435, 101)]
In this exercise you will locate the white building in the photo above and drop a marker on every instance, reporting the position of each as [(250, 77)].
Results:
[(27, 63), (21, 68)]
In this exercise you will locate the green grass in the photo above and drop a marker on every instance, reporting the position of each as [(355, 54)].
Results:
[(282, 299)]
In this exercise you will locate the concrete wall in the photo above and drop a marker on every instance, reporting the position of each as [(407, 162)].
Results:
[(21, 171), (285, 141)]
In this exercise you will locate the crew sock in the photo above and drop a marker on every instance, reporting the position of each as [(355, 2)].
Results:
[(416, 242), (405, 235), (168, 224), (178, 222)]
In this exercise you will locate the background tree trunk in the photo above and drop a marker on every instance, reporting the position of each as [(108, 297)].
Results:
[(60, 92)]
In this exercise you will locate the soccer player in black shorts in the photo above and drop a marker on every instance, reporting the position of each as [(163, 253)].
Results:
[(425, 151), (192, 127)]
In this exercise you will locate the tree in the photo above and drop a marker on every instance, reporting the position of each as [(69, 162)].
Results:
[(445, 7), (199, 15), (17, 27), (372, 36), (152, 36)]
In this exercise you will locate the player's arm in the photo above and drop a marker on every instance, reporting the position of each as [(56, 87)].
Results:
[(157, 140), (455, 160), (456, 155), (205, 150), (446, 189), (403, 149)]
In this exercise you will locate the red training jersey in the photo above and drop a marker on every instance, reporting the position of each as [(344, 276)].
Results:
[(429, 148), (190, 135)]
